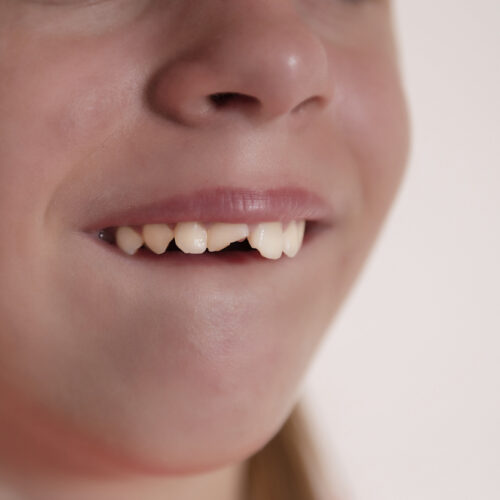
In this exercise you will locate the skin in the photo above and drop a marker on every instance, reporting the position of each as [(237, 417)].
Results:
[(165, 384)]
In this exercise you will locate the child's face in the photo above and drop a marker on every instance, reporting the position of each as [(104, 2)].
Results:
[(105, 107)]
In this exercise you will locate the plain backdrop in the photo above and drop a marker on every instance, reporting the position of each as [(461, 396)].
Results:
[(405, 391)]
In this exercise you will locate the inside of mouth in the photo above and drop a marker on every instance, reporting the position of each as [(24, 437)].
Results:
[(237, 246)]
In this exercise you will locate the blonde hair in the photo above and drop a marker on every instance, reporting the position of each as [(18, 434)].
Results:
[(288, 467)]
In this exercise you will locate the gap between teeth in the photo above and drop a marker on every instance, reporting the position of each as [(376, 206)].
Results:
[(271, 239)]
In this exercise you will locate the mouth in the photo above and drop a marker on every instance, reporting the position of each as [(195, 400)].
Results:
[(223, 224)]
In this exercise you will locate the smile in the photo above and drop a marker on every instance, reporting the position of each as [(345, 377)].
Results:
[(232, 223)]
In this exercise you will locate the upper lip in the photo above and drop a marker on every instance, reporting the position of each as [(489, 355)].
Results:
[(221, 204)]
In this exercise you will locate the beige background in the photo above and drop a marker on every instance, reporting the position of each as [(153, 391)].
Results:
[(406, 389)]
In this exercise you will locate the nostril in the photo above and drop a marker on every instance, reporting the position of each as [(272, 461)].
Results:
[(226, 99), (311, 102)]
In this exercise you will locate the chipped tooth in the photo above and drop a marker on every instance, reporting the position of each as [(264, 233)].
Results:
[(291, 243), (191, 237), (157, 237), (267, 238), (128, 239), (221, 235)]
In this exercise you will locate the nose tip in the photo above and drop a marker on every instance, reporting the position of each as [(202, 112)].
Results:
[(257, 72)]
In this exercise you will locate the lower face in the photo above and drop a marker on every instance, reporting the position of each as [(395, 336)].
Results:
[(168, 363)]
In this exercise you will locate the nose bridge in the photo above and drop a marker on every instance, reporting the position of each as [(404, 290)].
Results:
[(261, 63)]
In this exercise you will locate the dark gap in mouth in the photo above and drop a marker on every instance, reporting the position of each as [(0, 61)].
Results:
[(237, 246), (107, 235)]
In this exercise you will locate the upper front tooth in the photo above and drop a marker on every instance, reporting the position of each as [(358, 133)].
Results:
[(157, 237), (128, 239), (267, 238), (191, 237), (221, 235)]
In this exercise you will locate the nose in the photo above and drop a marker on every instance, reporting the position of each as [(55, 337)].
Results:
[(255, 65)]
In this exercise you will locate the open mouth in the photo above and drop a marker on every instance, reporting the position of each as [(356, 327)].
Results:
[(216, 225), (270, 240)]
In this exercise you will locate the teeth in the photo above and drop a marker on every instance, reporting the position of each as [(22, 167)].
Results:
[(267, 238), (191, 237), (157, 237), (128, 239), (271, 239), (221, 235)]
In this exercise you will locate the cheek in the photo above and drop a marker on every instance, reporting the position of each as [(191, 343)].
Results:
[(59, 105), (374, 125)]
